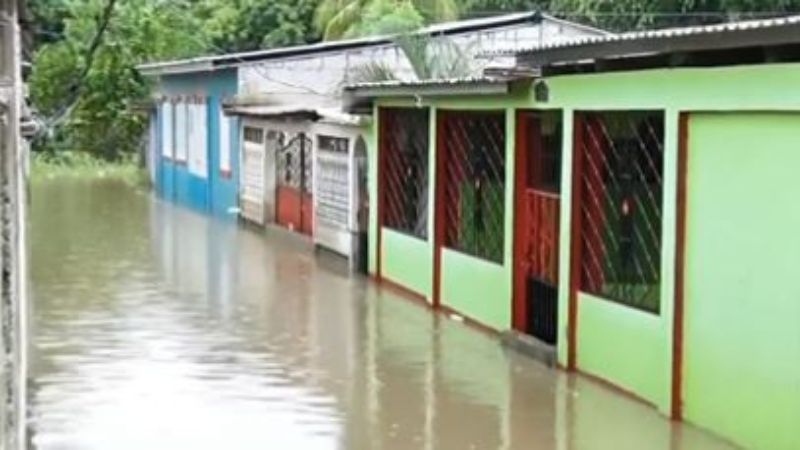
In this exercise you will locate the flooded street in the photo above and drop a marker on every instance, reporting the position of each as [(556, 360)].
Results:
[(159, 328)]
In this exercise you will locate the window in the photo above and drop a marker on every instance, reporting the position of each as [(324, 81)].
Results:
[(224, 143), (333, 182), (198, 147), (620, 184), (254, 135), (167, 122), (181, 132), (404, 152), (6, 62), (333, 144), (474, 182)]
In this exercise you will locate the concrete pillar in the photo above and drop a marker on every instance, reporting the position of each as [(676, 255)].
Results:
[(13, 254)]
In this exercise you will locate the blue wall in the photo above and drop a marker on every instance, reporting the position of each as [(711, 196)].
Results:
[(216, 194)]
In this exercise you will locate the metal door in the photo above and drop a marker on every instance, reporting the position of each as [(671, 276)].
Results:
[(294, 188)]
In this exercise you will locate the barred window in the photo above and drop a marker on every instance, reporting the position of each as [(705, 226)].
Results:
[(333, 182), (621, 184), (404, 149), (254, 135), (474, 182)]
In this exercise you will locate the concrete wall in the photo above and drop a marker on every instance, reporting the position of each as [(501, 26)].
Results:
[(215, 192), (742, 329), (319, 78), (13, 283), (745, 383)]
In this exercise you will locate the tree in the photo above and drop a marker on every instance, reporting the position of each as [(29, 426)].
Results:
[(336, 19), (243, 25), (430, 58), (86, 84)]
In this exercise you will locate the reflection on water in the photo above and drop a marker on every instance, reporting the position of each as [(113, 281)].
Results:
[(158, 328)]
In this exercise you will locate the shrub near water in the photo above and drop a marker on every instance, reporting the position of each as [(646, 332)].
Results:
[(73, 164)]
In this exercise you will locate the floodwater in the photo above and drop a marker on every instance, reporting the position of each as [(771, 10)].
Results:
[(158, 328)]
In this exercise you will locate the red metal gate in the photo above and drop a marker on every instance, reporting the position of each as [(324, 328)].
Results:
[(293, 195), (538, 206)]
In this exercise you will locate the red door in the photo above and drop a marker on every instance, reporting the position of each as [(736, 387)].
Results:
[(294, 201), (536, 241)]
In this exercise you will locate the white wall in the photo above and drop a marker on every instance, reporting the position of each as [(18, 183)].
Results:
[(318, 78)]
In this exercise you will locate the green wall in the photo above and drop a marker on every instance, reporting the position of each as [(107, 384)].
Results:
[(742, 328), (630, 348), (408, 261), (477, 288)]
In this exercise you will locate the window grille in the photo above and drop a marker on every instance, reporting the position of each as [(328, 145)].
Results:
[(294, 162), (333, 182), (404, 149), (474, 182), (6, 55), (254, 135), (621, 184)]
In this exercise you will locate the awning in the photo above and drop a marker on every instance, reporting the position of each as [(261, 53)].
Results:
[(298, 112)]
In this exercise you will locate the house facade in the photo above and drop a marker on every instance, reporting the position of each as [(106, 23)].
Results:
[(296, 159), (628, 204)]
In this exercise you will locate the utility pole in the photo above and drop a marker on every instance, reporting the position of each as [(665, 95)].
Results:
[(13, 253)]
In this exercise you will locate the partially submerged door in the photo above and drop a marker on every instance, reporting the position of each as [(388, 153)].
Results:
[(253, 176), (294, 201), (538, 206)]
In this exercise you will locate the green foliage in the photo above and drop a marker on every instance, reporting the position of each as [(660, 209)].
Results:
[(243, 25), (336, 19), (87, 97), (82, 165), (386, 17), (370, 73), (436, 58)]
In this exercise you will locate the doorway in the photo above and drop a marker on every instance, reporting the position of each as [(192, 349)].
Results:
[(294, 198), (537, 223)]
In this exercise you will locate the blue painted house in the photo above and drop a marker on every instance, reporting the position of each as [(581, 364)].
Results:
[(193, 144)]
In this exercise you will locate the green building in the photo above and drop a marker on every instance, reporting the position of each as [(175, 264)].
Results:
[(628, 201)]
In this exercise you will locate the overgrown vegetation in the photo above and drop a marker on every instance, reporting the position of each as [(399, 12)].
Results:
[(82, 165), (85, 86)]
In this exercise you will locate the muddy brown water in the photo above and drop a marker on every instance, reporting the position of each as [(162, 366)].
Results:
[(158, 328)]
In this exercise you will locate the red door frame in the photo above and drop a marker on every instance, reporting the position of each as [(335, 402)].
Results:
[(575, 240), (680, 265), (439, 221), (521, 164)]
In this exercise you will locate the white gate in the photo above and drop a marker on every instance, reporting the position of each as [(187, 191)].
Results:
[(253, 175), (332, 193)]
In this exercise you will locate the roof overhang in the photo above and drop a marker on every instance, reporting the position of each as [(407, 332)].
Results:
[(360, 97), (676, 42), (296, 113), (177, 67)]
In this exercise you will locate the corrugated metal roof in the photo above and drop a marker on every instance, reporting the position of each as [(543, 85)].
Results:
[(211, 62), (480, 85), (717, 29), (432, 82)]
